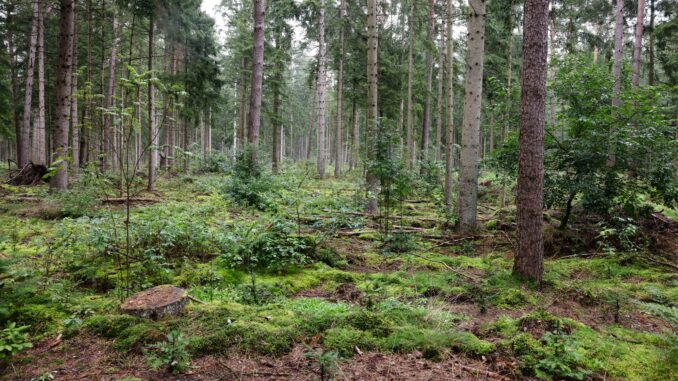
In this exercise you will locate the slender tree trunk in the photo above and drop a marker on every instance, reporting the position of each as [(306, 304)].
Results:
[(277, 117), (63, 94), (39, 132), (24, 142), (242, 114), (509, 79), (257, 78), (338, 141), (638, 44), (152, 126), (355, 135), (650, 69), (170, 126), (106, 128), (616, 72), (15, 81), (372, 102), (321, 92), (313, 120), (439, 106), (410, 154), (75, 128), (552, 75), (87, 119), (426, 125), (449, 114), (468, 175), (529, 261)]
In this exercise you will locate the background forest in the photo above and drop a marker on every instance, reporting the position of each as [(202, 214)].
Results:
[(375, 189)]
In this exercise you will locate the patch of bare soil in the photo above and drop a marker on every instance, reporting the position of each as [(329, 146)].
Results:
[(88, 358)]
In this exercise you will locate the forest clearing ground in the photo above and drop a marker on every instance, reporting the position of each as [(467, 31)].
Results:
[(433, 305)]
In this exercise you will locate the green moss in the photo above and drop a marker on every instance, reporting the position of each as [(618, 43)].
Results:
[(409, 339), (512, 298), (345, 340), (109, 326), (370, 321), (136, 337)]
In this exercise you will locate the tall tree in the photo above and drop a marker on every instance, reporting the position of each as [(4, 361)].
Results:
[(616, 70), (530, 256), (75, 128), (426, 124), (24, 142), (372, 102), (338, 142), (449, 113), (254, 122), (440, 99), (152, 126), (63, 94), (638, 43), (467, 203), (39, 133), (410, 150), (321, 91), (106, 126)]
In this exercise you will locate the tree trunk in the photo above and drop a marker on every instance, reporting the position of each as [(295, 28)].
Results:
[(24, 142), (441, 79), (650, 69), (171, 125), (277, 117), (257, 78), (39, 132), (638, 44), (616, 72), (106, 128), (63, 94), (152, 126), (338, 141), (355, 137), (242, 113), (468, 176), (372, 102), (529, 261), (552, 75), (88, 114), (321, 92), (15, 82), (509, 79), (449, 114), (426, 125), (409, 152), (75, 128)]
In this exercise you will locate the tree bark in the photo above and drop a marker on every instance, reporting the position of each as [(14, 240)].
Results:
[(638, 44), (277, 117), (449, 114), (552, 75), (338, 141), (254, 122), (439, 106), (530, 256), (409, 152), (152, 126), (355, 135), (24, 142), (321, 92), (372, 102), (75, 128), (616, 72), (650, 69), (106, 128), (426, 125), (15, 82), (242, 113), (63, 94), (39, 133), (467, 203), (509, 80)]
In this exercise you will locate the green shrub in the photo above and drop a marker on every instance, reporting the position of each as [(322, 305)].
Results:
[(171, 354), (249, 186), (13, 339)]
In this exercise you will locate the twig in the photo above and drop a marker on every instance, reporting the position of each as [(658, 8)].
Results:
[(193, 298)]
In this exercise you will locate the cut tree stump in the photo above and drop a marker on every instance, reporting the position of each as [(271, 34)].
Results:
[(156, 302)]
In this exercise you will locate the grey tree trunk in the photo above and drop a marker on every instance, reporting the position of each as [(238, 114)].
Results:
[(39, 132), (63, 94), (426, 125), (75, 128), (106, 128), (616, 71), (242, 114), (152, 125), (338, 141), (529, 261), (650, 64), (467, 203), (409, 152), (24, 142), (552, 75), (441, 79), (372, 102), (449, 114), (638, 43), (509, 81), (321, 92), (254, 122)]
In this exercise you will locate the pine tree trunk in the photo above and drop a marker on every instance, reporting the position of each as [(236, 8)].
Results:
[(75, 128), (355, 137), (509, 79), (39, 133), (87, 119), (242, 113), (449, 114), (467, 203), (63, 94), (616, 72), (372, 102), (552, 75), (24, 142), (275, 122), (152, 126), (426, 125), (441, 80), (254, 122), (529, 261), (338, 141), (650, 68), (106, 128), (638, 44), (15, 82), (321, 92), (409, 152)]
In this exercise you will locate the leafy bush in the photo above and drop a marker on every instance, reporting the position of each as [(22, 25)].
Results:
[(13, 339), (327, 362), (249, 186), (561, 359), (171, 354), (83, 195)]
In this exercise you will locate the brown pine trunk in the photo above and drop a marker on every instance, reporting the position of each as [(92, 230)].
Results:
[(372, 102), (39, 133), (63, 94), (409, 152), (529, 261), (321, 92), (650, 69), (467, 203), (439, 106), (616, 72), (426, 125), (152, 126), (24, 143), (638, 44), (338, 141), (355, 135), (106, 128), (75, 128), (254, 122), (449, 114), (15, 82), (552, 75)]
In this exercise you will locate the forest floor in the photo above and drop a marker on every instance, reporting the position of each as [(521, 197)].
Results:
[(422, 304)]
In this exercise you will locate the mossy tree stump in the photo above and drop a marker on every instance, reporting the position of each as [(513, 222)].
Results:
[(156, 302)]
